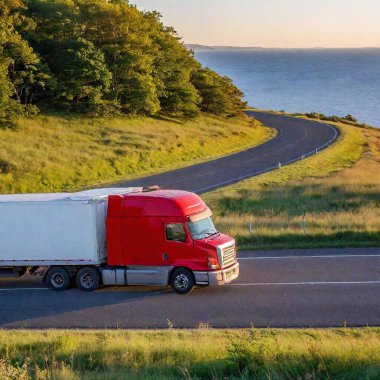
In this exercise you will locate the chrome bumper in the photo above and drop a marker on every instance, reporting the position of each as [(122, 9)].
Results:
[(219, 277)]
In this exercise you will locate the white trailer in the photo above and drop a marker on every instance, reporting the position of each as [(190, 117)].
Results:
[(47, 230)]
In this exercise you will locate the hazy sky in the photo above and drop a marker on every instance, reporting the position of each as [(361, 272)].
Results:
[(272, 23)]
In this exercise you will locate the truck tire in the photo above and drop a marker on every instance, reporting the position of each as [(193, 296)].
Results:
[(88, 279), (182, 281), (58, 279)]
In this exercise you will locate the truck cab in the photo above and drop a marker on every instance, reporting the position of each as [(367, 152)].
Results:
[(166, 237)]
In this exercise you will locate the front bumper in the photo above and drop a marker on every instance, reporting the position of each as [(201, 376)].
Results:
[(219, 277)]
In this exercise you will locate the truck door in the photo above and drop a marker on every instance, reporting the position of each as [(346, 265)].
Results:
[(178, 249)]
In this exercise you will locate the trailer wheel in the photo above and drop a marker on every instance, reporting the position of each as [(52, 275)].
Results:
[(88, 279), (58, 278), (182, 281)]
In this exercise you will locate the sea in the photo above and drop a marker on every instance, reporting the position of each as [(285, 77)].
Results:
[(329, 81)]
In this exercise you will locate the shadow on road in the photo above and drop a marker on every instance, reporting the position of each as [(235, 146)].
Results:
[(27, 301)]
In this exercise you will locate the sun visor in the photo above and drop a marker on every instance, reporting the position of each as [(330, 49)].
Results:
[(202, 215)]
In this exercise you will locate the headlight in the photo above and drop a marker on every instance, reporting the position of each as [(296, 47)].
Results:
[(213, 263)]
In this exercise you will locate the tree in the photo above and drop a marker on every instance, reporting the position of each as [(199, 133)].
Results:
[(122, 34), (26, 73), (19, 71), (81, 73), (219, 95), (8, 107), (103, 56), (173, 68)]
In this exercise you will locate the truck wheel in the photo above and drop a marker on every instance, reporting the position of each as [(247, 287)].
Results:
[(58, 278), (182, 281), (88, 279)]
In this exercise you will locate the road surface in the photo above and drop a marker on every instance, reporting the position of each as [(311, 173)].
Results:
[(319, 288), (296, 138)]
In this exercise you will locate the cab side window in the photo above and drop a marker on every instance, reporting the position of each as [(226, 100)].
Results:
[(175, 232)]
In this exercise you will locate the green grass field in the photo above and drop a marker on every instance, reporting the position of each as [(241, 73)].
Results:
[(49, 153), (331, 199), (191, 354)]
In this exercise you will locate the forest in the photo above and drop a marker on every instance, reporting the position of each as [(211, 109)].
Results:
[(102, 57)]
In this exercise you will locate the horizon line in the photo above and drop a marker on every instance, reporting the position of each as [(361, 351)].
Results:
[(276, 47)]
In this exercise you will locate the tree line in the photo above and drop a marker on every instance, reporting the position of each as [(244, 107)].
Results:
[(102, 57)]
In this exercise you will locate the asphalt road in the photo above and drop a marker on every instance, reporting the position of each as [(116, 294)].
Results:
[(275, 289), (296, 138)]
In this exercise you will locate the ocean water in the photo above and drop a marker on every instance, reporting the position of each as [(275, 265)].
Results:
[(329, 81)]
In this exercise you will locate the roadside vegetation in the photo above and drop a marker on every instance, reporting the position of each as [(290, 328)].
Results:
[(348, 119), (201, 353), (331, 199), (47, 154), (101, 57), (93, 91)]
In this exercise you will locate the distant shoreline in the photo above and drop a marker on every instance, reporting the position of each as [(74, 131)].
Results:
[(197, 47), (328, 81)]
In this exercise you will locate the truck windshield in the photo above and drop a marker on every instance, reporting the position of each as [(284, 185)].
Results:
[(202, 228)]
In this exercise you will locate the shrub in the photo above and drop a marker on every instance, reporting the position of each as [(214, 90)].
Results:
[(350, 118), (5, 167)]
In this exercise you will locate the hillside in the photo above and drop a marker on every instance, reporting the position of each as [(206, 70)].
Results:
[(133, 98), (47, 153)]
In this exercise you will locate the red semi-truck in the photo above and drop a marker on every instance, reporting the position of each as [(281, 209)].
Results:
[(125, 236)]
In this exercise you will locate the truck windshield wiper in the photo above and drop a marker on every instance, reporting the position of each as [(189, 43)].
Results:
[(209, 232)]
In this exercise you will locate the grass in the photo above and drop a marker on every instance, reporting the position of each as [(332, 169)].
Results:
[(51, 153), (329, 200), (191, 354)]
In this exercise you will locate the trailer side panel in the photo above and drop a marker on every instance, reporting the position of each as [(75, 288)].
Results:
[(56, 232)]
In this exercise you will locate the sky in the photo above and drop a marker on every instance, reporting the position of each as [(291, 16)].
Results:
[(272, 23)]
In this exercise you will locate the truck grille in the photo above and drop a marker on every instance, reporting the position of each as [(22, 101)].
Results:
[(227, 254)]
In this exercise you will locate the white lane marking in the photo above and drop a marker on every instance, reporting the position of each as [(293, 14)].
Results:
[(309, 283), (305, 257), (305, 155), (13, 289), (316, 149)]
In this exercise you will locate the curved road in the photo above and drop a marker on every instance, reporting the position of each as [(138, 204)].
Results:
[(296, 138)]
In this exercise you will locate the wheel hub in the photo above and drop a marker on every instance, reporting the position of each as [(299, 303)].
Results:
[(181, 281), (87, 281), (57, 280)]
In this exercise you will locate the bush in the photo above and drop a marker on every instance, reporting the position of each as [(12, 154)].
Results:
[(313, 115), (5, 167), (350, 118)]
